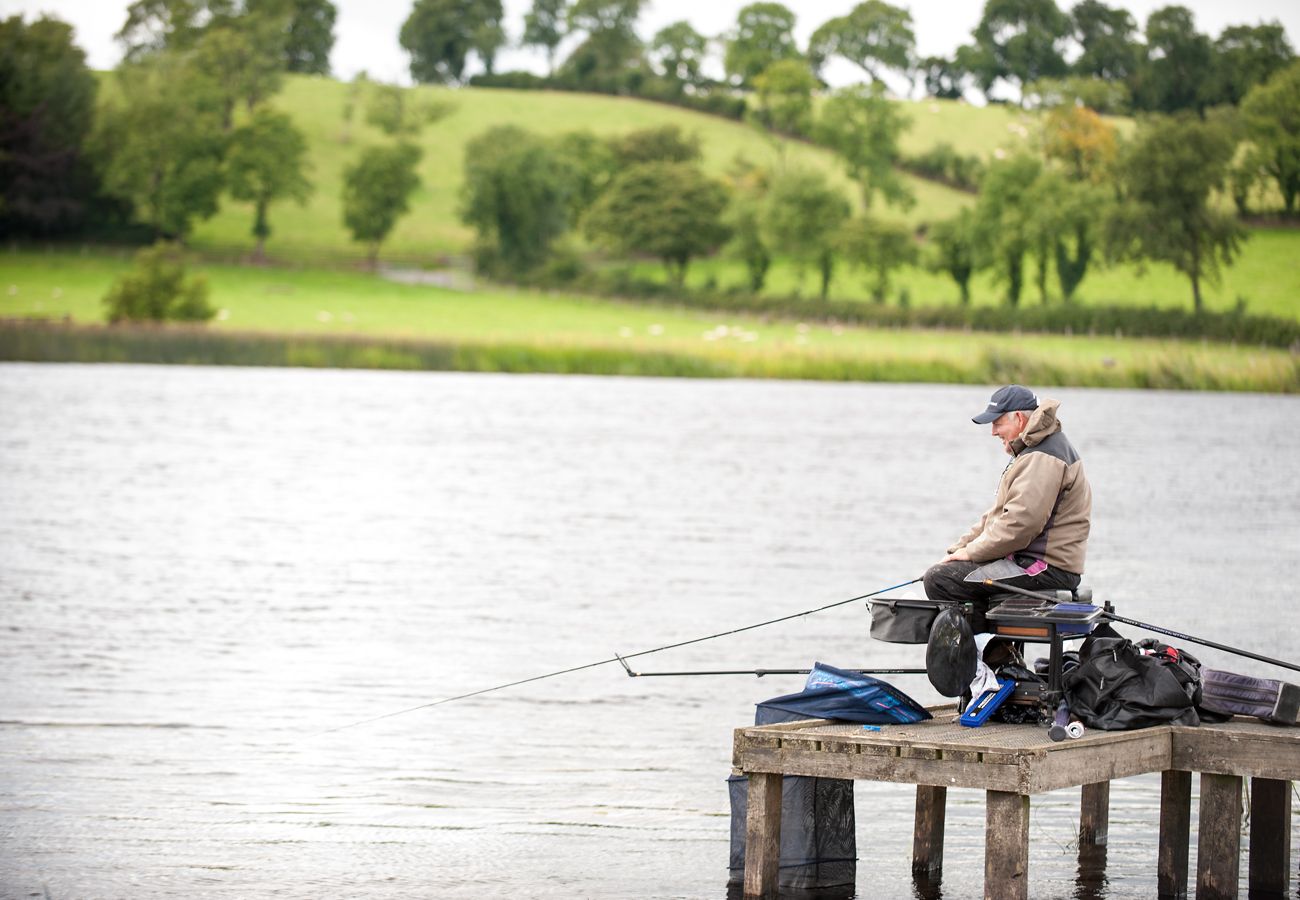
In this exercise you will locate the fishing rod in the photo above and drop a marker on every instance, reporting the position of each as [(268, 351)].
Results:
[(1106, 613), (615, 658), (761, 672)]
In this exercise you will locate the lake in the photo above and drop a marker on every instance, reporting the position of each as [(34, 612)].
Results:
[(228, 593)]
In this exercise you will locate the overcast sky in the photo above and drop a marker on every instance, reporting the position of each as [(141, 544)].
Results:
[(366, 30)]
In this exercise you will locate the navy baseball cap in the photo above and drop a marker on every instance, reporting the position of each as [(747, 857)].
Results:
[(1012, 398)]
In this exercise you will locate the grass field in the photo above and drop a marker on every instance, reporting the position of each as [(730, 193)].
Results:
[(314, 303)]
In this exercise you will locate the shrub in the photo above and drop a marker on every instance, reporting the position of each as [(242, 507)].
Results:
[(156, 290)]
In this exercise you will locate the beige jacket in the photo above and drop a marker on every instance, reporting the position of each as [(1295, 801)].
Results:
[(1043, 505)]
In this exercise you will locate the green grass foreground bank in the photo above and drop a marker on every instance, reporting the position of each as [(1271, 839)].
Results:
[(37, 341)]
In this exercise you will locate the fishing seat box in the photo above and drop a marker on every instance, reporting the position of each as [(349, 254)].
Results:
[(904, 620), (1243, 695)]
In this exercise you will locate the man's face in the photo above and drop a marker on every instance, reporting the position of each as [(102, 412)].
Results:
[(1008, 427)]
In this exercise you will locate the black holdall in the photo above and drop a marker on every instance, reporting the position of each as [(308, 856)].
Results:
[(1116, 686), (903, 620)]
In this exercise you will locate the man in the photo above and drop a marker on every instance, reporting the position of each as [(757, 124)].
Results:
[(1037, 529)]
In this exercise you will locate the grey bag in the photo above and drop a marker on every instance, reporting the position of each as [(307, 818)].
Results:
[(903, 621), (1228, 693)]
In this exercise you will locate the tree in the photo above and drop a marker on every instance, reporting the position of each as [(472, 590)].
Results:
[(308, 32), (1247, 55), (377, 192), (611, 53), (440, 35), (1166, 177), (680, 52), (664, 209), (1067, 217), (1080, 140), (804, 213), (1272, 115), (243, 59), (1019, 41), (1179, 68), (395, 112), (517, 194), (942, 77), (764, 34), (659, 143), (863, 127), (544, 26), (783, 97), (47, 103), (155, 25), (956, 253), (875, 35), (880, 248), (1108, 38), (749, 184), (1004, 219), (157, 290), (264, 163), (161, 142), (594, 16)]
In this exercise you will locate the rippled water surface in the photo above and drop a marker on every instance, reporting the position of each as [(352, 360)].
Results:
[(206, 573)]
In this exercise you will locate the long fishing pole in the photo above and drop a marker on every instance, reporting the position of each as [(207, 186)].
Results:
[(761, 672), (1108, 614), (615, 658)]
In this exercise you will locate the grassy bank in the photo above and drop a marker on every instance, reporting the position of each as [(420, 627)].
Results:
[(312, 317)]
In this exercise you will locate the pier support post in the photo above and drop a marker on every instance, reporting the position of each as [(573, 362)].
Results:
[(1270, 837), (927, 832), (1175, 833), (1094, 814), (1006, 846), (763, 835), (1219, 844)]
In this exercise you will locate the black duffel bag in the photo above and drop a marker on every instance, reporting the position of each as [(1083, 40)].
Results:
[(1117, 687)]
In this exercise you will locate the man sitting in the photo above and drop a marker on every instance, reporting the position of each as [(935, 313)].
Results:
[(1037, 529)]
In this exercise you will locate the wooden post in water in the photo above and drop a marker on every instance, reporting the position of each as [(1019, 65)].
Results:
[(1175, 832), (1219, 844), (1094, 814), (1006, 846), (763, 835), (1270, 836), (927, 833)]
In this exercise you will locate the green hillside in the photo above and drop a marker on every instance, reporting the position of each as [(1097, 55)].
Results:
[(314, 233)]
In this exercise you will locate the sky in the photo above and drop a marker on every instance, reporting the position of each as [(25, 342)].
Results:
[(366, 30)]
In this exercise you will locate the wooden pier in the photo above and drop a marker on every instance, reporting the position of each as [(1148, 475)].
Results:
[(1012, 762)]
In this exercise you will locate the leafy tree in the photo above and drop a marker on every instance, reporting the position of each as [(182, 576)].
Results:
[(398, 113), (243, 59), (1272, 116), (863, 127), (47, 103), (942, 77), (1247, 55), (1081, 140), (1077, 90), (377, 191), (611, 53), (783, 97), (764, 34), (658, 143), (1166, 178), (875, 35), (1067, 219), (1004, 219), (956, 249), (880, 248), (1108, 38), (161, 142), (804, 213), (308, 32), (157, 290), (544, 26), (749, 184), (1179, 68), (592, 163), (1019, 41), (664, 209), (155, 25), (593, 16), (517, 194), (680, 51), (440, 35), (264, 163)]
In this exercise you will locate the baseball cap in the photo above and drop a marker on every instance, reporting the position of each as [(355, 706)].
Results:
[(1010, 398)]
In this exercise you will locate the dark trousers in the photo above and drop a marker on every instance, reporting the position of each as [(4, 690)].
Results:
[(944, 581)]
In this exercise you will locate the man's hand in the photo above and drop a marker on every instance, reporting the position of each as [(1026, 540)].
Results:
[(958, 556)]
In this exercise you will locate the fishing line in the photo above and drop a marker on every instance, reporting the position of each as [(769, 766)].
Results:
[(612, 659)]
